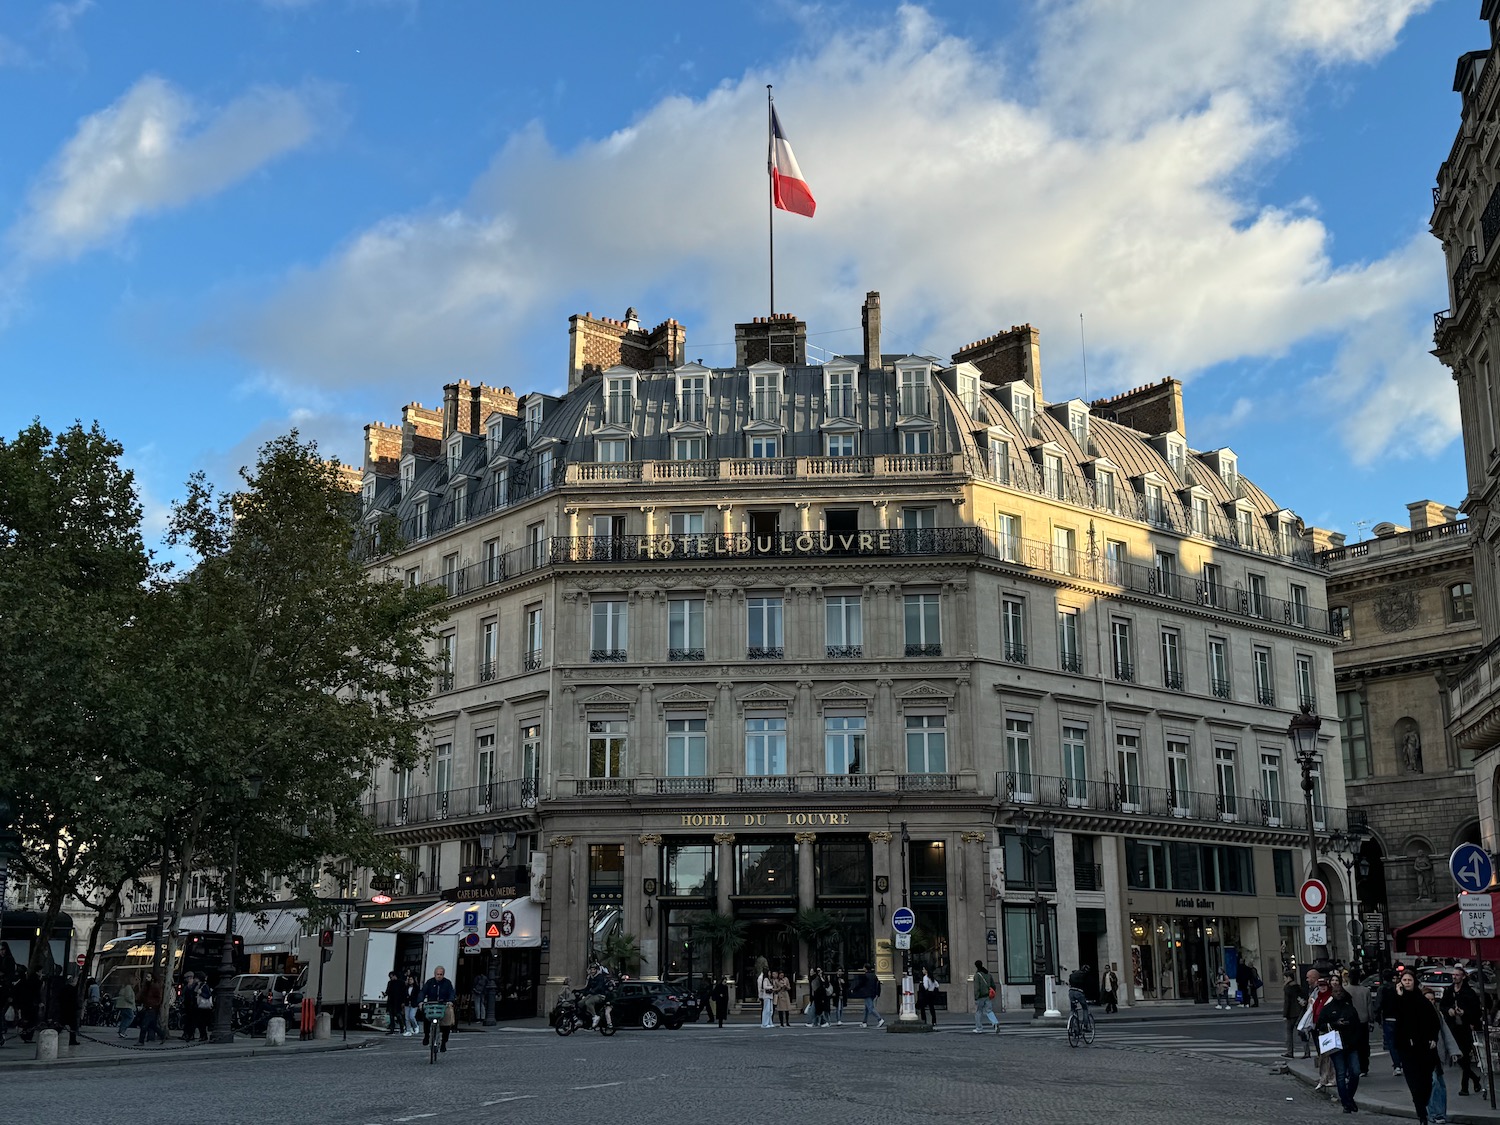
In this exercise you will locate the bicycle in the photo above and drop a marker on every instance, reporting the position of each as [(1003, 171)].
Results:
[(434, 1011), (1080, 1021)]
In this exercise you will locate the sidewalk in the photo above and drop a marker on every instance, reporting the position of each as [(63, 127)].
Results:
[(1384, 1092), (99, 1046)]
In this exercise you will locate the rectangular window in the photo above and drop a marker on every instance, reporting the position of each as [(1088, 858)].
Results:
[(1218, 668), (1461, 602), (609, 636), (1128, 770), (1104, 489), (1246, 522), (765, 746), (442, 768), (844, 744), (1116, 558), (686, 523), (536, 544), (916, 442), (1064, 553), (1355, 732), (460, 503), (691, 398), (914, 394), (1259, 602), (1225, 786), (610, 450), (494, 565), (1023, 938), (1019, 780), (1213, 586), (1022, 408), (1272, 809), (1078, 426), (531, 752), (1075, 753), (844, 626), (1069, 655), (1283, 863), (447, 646), (923, 632), (926, 744), (840, 403), (765, 399), (687, 747), (1008, 536), (1052, 475), (688, 449), (533, 420), (607, 744), (1299, 605), (1178, 788), (918, 519), (841, 445), (1200, 515), (765, 446), (688, 871), (764, 615), (1122, 650), (420, 528), (484, 763), (619, 403), (489, 637), (1171, 660), (685, 618), (1265, 684), (541, 477), (413, 576), (1156, 506), (999, 461), (1305, 694), (532, 655), (1166, 578), (1013, 630)]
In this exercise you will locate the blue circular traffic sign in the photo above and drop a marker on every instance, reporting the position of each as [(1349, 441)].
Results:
[(1471, 868), (903, 921)]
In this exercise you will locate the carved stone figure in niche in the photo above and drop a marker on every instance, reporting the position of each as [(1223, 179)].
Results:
[(1409, 736), (1421, 866)]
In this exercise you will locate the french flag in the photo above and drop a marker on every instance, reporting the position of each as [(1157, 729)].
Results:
[(789, 190)]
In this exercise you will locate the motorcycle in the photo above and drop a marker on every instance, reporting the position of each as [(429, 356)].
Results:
[(570, 1015)]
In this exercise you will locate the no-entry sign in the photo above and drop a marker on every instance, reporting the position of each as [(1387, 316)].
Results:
[(1314, 896)]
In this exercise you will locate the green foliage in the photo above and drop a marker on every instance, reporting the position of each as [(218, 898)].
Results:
[(621, 952), (723, 932)]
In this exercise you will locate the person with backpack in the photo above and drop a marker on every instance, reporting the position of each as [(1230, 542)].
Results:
[(984, 999)]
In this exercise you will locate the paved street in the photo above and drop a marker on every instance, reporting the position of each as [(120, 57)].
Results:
[(1135, 1073)]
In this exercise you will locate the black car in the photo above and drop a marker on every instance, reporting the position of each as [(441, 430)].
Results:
[(691, 1004), (646, 1004)]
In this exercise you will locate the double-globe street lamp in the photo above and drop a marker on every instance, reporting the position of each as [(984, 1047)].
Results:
[(1037, 839), (223, 1030)]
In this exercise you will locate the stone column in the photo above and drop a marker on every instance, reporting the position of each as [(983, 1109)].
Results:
[(650, 512), (807, 888), (724, 860), (881, 868), (969, 919), (1067, 901), (646, 866), (1117, 916)]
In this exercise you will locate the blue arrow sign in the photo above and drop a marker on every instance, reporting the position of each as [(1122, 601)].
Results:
[(1471, 868), (903, 921)]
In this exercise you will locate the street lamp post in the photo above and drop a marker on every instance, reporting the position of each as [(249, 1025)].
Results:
[(223, 1031), (1036, 839), (1303, 733), (907, 1011), (1345, 847)]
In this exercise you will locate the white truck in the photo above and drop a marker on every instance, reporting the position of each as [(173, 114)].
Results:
[(362, 958)]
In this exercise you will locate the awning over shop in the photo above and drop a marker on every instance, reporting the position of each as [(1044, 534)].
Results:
[(386, 916), (439, 918), (517, 922), (278, 934), (1439, 935), (520, 925)]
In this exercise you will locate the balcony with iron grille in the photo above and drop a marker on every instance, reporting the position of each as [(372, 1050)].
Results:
[(691, 406), (454, 804), (607, 656), (854, 784), (844, 652), (1124, 672), (1222, 688), (924, 650), (765, 652), (1071, 662), (488, 670), (1463, 275), (443, 681), (532, 661), (684, 654), (1014, 652), (1172, 680), (1266, 696)]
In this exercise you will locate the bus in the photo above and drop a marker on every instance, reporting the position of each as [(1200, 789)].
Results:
[(198, 951)]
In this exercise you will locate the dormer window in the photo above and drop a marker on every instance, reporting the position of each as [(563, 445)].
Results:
[(420, 529), (1229, 472), (1245, 523), (496, 433), (367, 491), (968, 390), (692, 398), (1078, 426), (533, 419), (764, 446), (765, 397), (461, 502), (610, 450), (916, 442), (455, 453), (687, 449), (839, 394), (915, 394), (1200, 515), (408, 475), (1104, 489), (841, 445), (999, 460), (1022, 406), (1156, 504), (619, 400), (1177, 457), (1052, 475)]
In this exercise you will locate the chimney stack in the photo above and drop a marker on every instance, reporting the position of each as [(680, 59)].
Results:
[(871, 321)]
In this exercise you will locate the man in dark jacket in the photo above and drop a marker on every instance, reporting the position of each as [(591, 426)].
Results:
[(871, 993), (1293, 1002), (150, 1001), (395, 1002), (1386, 1006), (1340, 1015), (1465, 1016), (438, 989)]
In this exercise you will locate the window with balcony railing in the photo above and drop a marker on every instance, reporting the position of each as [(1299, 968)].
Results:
[(692, 406), (1124, 671), (1015, 652), (765, 652), (532, 661), (1266, 696), (845, 652), (607, 655), (1222, 690), (765, 406), (684, 654), (914, 399), (487, 671)]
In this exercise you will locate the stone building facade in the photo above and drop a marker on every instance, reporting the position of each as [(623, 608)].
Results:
[(1406, 598), (786, 638), (1466, 336)]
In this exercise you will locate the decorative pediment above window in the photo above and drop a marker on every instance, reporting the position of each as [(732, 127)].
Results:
[(609, 430), (607, 698), (844, 693), (766, 694), (764, 427), (841, 426), (683, 696), (926, 691)]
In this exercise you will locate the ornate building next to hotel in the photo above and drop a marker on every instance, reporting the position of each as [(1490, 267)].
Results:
[(1406, 600), (782, 638)]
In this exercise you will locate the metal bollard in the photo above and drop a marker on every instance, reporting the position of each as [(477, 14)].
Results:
[(276, 1032), (46, 1045), (323, 1029)]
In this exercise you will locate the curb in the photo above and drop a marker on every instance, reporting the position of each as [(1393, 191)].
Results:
[(1405, 1110), (154, 1059)]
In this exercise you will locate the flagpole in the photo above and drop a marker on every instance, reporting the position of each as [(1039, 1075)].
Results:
[(770, 199)]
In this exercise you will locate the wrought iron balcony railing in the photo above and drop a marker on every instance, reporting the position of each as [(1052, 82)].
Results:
[(924, 650), (845, 652), (1266, 696), (1463, 274), (1124, 671), (1172, 680), (455, 804), (1222, 688), (684, 654), (607, 656), (765, 652), (1070, 662), (1014, 652), (532, 661)]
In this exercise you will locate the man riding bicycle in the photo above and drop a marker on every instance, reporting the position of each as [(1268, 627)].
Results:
[(438, 989), (1077, 1001)]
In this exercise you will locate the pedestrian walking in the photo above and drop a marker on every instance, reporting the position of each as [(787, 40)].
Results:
[(820, 999), (149, 1019), (412, 992), (1293, 1003), (871, 991), (27, 1003), (62, 1003), (1340, 1028), (719, 994), (395, 1002), (1360, 995), (765, 988), (1418, 1033), (125, 1008), (1437, 1102), (840, 995), (197, 1006), (1464, 1015), (1109, 988), (1385, 1005), (927, 997), (984, 999), (781, 995)]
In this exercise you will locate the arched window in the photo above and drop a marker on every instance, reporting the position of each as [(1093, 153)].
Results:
[(1461, 601)]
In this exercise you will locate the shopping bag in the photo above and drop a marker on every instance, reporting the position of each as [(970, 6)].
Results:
[(1329, 1041)]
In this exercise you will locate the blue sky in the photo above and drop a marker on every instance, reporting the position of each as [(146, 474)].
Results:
[(225, 218)]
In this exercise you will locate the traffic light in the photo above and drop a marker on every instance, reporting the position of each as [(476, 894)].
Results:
[(325, 939)]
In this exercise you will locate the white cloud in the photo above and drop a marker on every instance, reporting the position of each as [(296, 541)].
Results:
[(151, 151), (1113, 178), (62, 17)]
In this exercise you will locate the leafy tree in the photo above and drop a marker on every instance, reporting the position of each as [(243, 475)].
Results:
[(74, 576), (724, 933), (814, 927), (621, 952)]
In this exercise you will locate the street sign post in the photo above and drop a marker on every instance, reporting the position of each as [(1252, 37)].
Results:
[(903, 941), (1471, 868), (903, 921), (1476, 916), (1314, 896), (1315, 929)]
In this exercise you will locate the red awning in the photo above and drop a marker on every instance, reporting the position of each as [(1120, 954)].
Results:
[(1438, 935)]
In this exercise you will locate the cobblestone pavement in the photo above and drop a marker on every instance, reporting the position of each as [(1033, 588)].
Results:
[(739, 1074)]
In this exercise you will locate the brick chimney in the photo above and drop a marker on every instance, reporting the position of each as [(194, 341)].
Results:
[(421, 430), (1429, 513), (1007, 357), (870, 318), (1155, 408), (780, 338), (382, 449), (596, 343)]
